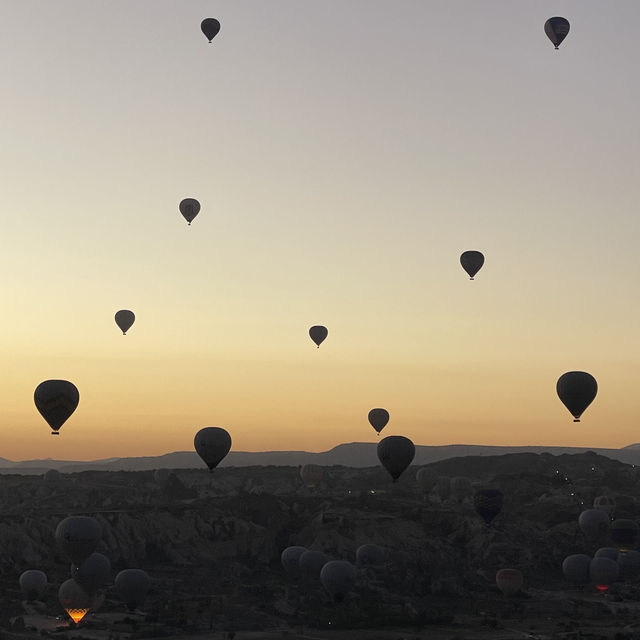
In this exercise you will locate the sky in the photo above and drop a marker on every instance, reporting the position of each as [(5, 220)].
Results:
[(345, 154)]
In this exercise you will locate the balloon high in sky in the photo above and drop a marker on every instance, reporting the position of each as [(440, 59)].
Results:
[(342, 166), (556, 29)]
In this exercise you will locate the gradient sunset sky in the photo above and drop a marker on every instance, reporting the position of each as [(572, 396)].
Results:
[(345, 153)]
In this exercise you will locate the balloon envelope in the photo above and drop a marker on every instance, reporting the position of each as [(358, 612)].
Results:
[(576, 390), (605, 503), (378, 419), (56, 400), (471, 262), (74, 599), (607, 552), (426, 479), (210, 27), (93, 574), (311, 474), (32, 583), (370, 554), (290, 558), (629, 565), (125, 319), (212, 444), (395, 454), (318, 333), (132, 586), (461, 488), (338, 577), (594, 523), (624, 533), (488, 503), (311, 562), (556, 29), (509, 581), (189, 208), (78, 537), (603, 571), (575, 568)]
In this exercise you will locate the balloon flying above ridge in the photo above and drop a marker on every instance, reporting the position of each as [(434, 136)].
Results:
[(378, 419), (56, 400), (556, 29), (318, 333), (210, 27), (125, 319), (472, 262), (189, 208), (576, 390), (212, 444)]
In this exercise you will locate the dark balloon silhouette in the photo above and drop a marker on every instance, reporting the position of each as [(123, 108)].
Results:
[(575, 568), (594, 523), (603, 572), (556, 29), (338, 577), (93, 574), (370, 554), (56, 400), (132, 586), (212, 444), (471, 262), (78, 537), (290, 558), (488, 503), (125, 319), (624, 533), (75, 600), (396, 453), (210, 27), (318, 333), (33, 584), (576, 390), (509, 581), (378, 419), (189, 208)]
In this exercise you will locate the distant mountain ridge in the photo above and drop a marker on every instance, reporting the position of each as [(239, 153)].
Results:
[(354, 454)]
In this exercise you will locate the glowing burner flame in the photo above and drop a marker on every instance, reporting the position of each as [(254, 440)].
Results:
[(77, 614), (602, 587)]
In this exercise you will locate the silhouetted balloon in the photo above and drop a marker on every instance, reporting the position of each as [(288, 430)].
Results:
[(318, 333), (311, 562), (32, 583), (607, 552), (78, 537), (624, 533), (605, 503), (370, 554), (210, 27), (426, 479), (576, 390), (472, 262), (603, 572), (396, 453), (93, 574), (189, 208), (488, 503), (443, 487), (556, 29), (212, 444), (52, 476), (594, 523), (629, 565), (311, 474), (509, 581), (378, 419), (125, 319), (74, 599), (56, 400), (290, 558), (576, 568), (132, 586), (338, 577)]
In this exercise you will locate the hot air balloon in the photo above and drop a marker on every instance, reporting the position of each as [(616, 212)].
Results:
[(576, 390), (629, 565), (556, 30), (509, 581), (52, 476), (575, 568), (32, 583), (132, 586), (78, 537), (311, 562), (395, 454), (212, 444), (443, 487), (488, 503), (210, 27), (624, 533), (311, 474), (318, 333), (370, 555), (290, 558), (594, 523), (56, 400), (93, 574), (74, 599), (125, 319), (338, 577), (461, 488), (605, 503), (607, 552), (426, 479), (603, 572), (189, 208), (378, 419), (471, 262)]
